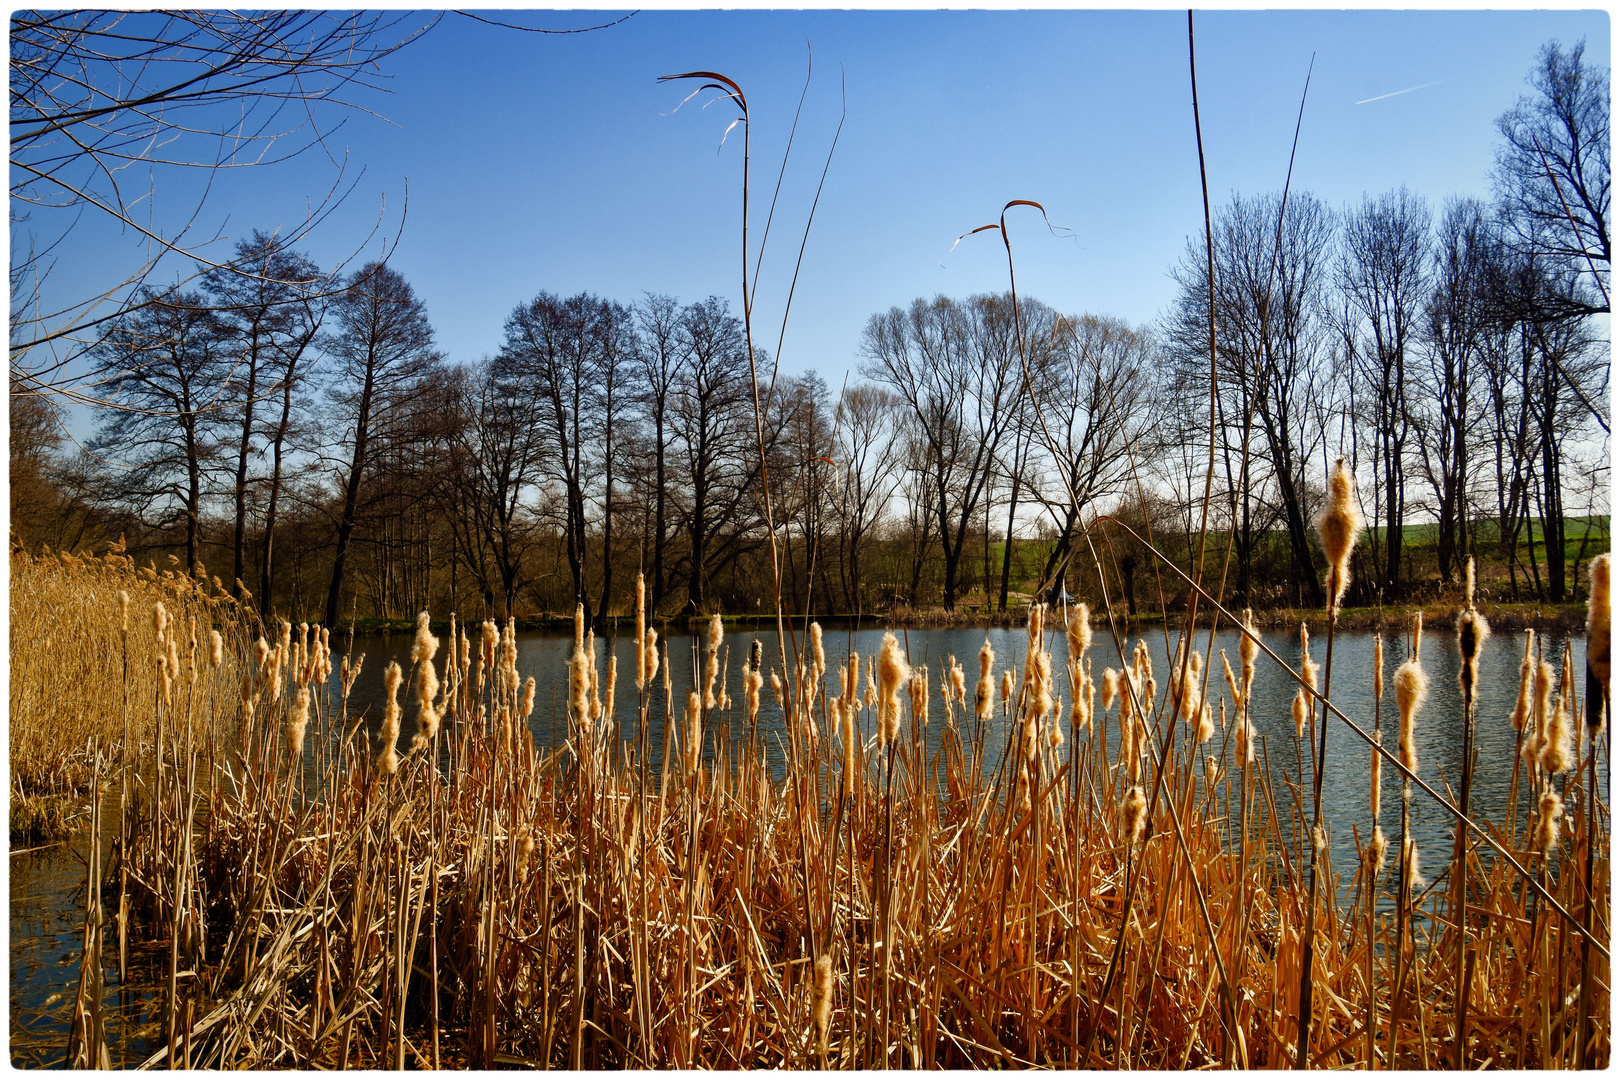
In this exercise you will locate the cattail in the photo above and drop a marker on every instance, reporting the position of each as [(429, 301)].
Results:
[(872, 687), (849, 751), (1411, 691), (160, 619), (509, 654), (612, 681), (579, 682), (1524, 707), (1054, 732), (594, 710), (123, 610), (1414, 866), (1541, 714), (1232, 684), (694, 729), (1377, 774), (1110, 688), (1307, 666), (650, 657), (1040, 685), (752, 681), (1378, 850), (1079, 631), (1472, 630), (779, 688), (1206, 724), (1212, 773), (1192, 692), (984, 694), (893, 673), (816, 650), (919, 695), (1006, 685), (1548, 821), (957, 687), (297, 720), (1558, 745), (1378, 667), (1597, 640), (216, 648), (641, 631), (1245, 733), (1127, 719), (1318, 838), (1338, 526), (579, 627), (1301, 713), (852, 682), (716, 633), (1133, 815), (173, 660), (387, 758), (821, 1000), (1248, 650)]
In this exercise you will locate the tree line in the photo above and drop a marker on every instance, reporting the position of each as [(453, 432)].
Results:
[(301, 434)]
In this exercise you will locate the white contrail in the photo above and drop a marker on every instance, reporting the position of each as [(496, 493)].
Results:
[(1408, 90)]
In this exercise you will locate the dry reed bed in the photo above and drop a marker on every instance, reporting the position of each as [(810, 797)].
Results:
[(325, 902)]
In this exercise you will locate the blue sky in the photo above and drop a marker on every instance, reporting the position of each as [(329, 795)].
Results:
[(558, 162)]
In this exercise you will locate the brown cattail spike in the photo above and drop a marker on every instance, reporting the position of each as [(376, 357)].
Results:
[(1338, 526), (1597, 643)]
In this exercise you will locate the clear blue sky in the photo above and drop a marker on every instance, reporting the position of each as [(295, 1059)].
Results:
[(555, 162)]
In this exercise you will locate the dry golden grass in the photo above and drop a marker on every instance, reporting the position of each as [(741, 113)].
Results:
[(576, 908)]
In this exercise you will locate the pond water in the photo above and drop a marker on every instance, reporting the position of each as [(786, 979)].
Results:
[(47, 887)]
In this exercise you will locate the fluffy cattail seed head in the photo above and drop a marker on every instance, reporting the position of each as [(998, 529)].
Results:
[(216, 648), (1006, 684), (1548, 821), (984, 694), (641, 631), (297, 721), (387, 758), (1079, 632), (1378, 850), (1524, 707), (821, 1000), (650, 655), (694, 729), (1597, 639), (1110, 688), (425, 646), (1414, 866), (1338, 526), (1378, 667), (526, 705), (893, 673), (1558, 744), (123, 610), (1411, 691), (1133, 815)]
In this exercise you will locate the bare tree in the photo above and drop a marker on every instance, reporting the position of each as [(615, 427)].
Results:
[(662, 358), (100, 98), (867, 453), (385, 345), (1096, 396), (1456, 326), (947, 362), (1552, 176), (163, 366), (711, 416), (259, 302), (1383, 274)]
